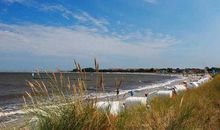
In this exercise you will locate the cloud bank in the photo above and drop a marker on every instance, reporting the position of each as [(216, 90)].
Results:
[(79, 41), (88, 37)]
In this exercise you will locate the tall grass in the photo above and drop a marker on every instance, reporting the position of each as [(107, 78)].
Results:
[(194, 109), (62, 105)]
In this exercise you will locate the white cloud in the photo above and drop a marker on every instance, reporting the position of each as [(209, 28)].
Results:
[(151, 1), (79, 42), (14, 1), (101, 23), (59, 8), (81, 16)]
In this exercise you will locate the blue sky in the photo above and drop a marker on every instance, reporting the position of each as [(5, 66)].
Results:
[(49, 34)]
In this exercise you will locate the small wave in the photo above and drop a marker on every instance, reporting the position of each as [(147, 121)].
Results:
[(106, 95), (2, 114), (139, 89)]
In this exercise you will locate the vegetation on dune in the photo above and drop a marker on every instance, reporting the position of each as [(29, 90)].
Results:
[(195, 109), (65, 107)]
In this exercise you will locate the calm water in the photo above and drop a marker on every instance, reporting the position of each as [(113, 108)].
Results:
[(14, 85)]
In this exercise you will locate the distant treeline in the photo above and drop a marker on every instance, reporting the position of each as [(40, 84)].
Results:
[(213, 70), (155, 70)]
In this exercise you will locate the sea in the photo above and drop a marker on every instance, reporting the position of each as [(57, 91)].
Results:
[(13, 85)]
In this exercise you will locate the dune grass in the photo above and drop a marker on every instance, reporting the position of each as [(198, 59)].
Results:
[(195, 109), (54, 110)]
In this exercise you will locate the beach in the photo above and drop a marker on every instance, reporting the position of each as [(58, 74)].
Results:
[(16, 117)]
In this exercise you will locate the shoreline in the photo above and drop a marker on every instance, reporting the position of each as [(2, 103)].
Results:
[(140, 92), (19, 121), (144, 73)]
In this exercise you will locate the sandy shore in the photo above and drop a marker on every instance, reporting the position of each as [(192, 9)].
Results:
[(20, 122), (146, 90)]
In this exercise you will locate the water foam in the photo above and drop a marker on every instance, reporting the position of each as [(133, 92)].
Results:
[(139, 89), (106, 95)]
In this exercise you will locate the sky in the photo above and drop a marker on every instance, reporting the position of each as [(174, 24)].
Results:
[(50, 34)]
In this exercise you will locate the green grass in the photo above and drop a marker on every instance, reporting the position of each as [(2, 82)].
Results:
[(195, 109)]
